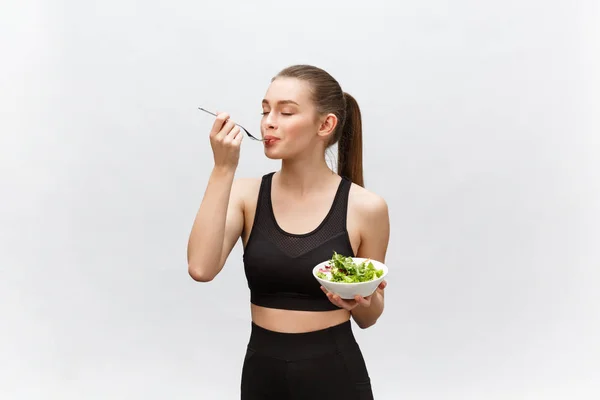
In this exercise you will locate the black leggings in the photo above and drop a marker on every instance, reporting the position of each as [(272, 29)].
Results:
[(325, 364)]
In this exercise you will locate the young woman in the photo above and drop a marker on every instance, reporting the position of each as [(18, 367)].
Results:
[(301, 344)]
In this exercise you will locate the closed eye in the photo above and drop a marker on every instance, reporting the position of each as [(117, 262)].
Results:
[(267, 112)]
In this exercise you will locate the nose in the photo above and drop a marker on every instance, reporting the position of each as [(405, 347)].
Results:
[(269, 122)]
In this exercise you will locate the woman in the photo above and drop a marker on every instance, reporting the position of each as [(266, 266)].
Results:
[(301, 344)]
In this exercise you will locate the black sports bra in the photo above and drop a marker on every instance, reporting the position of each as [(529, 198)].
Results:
[(278, 265)]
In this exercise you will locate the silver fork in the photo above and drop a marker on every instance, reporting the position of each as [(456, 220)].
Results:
[(245, 130)]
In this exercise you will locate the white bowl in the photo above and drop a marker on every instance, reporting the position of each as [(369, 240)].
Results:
[(347, 291)]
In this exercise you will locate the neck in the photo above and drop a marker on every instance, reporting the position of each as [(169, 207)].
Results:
[(305, 175)]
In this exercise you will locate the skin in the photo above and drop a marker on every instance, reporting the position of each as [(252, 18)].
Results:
[(302, 193)]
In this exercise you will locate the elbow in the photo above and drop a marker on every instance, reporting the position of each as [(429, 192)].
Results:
[(365, 325), (199, 274)]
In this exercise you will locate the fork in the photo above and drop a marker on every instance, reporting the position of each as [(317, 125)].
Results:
[(245, 130)]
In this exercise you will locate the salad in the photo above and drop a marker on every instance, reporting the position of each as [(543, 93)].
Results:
[(345, 270)]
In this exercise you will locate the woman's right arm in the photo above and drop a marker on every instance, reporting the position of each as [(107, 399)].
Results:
[(220, 219), (217, 227)]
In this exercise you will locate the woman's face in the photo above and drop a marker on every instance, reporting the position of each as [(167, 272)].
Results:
[(290, 123)]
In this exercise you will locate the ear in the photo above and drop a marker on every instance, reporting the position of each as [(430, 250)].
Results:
[(327, 125)]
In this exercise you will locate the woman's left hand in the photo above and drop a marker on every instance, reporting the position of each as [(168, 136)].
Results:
[(351, 304)]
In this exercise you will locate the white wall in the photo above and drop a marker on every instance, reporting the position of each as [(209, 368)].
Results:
[(481, 131)]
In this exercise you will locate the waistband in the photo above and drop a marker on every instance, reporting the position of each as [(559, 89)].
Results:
[(290, 301), (295, 346)]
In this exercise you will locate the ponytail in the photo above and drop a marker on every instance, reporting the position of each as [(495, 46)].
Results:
[(350, 143)]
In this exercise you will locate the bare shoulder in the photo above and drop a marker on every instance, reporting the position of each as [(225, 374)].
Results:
[(367, 204), (246, 188), (244, 184), (369, 218)]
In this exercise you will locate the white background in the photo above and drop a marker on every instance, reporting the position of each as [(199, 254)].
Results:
[(481, 130)]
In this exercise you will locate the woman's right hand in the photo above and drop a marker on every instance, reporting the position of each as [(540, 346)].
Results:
[(225, 140)]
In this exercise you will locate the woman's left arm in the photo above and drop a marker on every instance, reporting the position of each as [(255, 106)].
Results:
[(375, 233)]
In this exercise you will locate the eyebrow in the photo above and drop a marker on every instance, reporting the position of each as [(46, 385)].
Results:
[(265, 101)]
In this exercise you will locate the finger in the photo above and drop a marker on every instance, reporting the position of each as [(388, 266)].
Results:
[(227, 127), (238, 137), (218, 124), (348, 305), (230, 136), (363, 301), (235, 132), (333, 300)]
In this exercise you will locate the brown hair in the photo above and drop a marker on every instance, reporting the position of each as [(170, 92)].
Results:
[(329, 97)]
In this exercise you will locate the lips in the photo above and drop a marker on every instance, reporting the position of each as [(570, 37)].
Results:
[(269, 140)]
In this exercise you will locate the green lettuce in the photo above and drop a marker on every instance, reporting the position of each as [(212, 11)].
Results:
[(344, 269)]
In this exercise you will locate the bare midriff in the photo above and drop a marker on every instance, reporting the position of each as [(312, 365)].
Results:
[(292, 321)]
